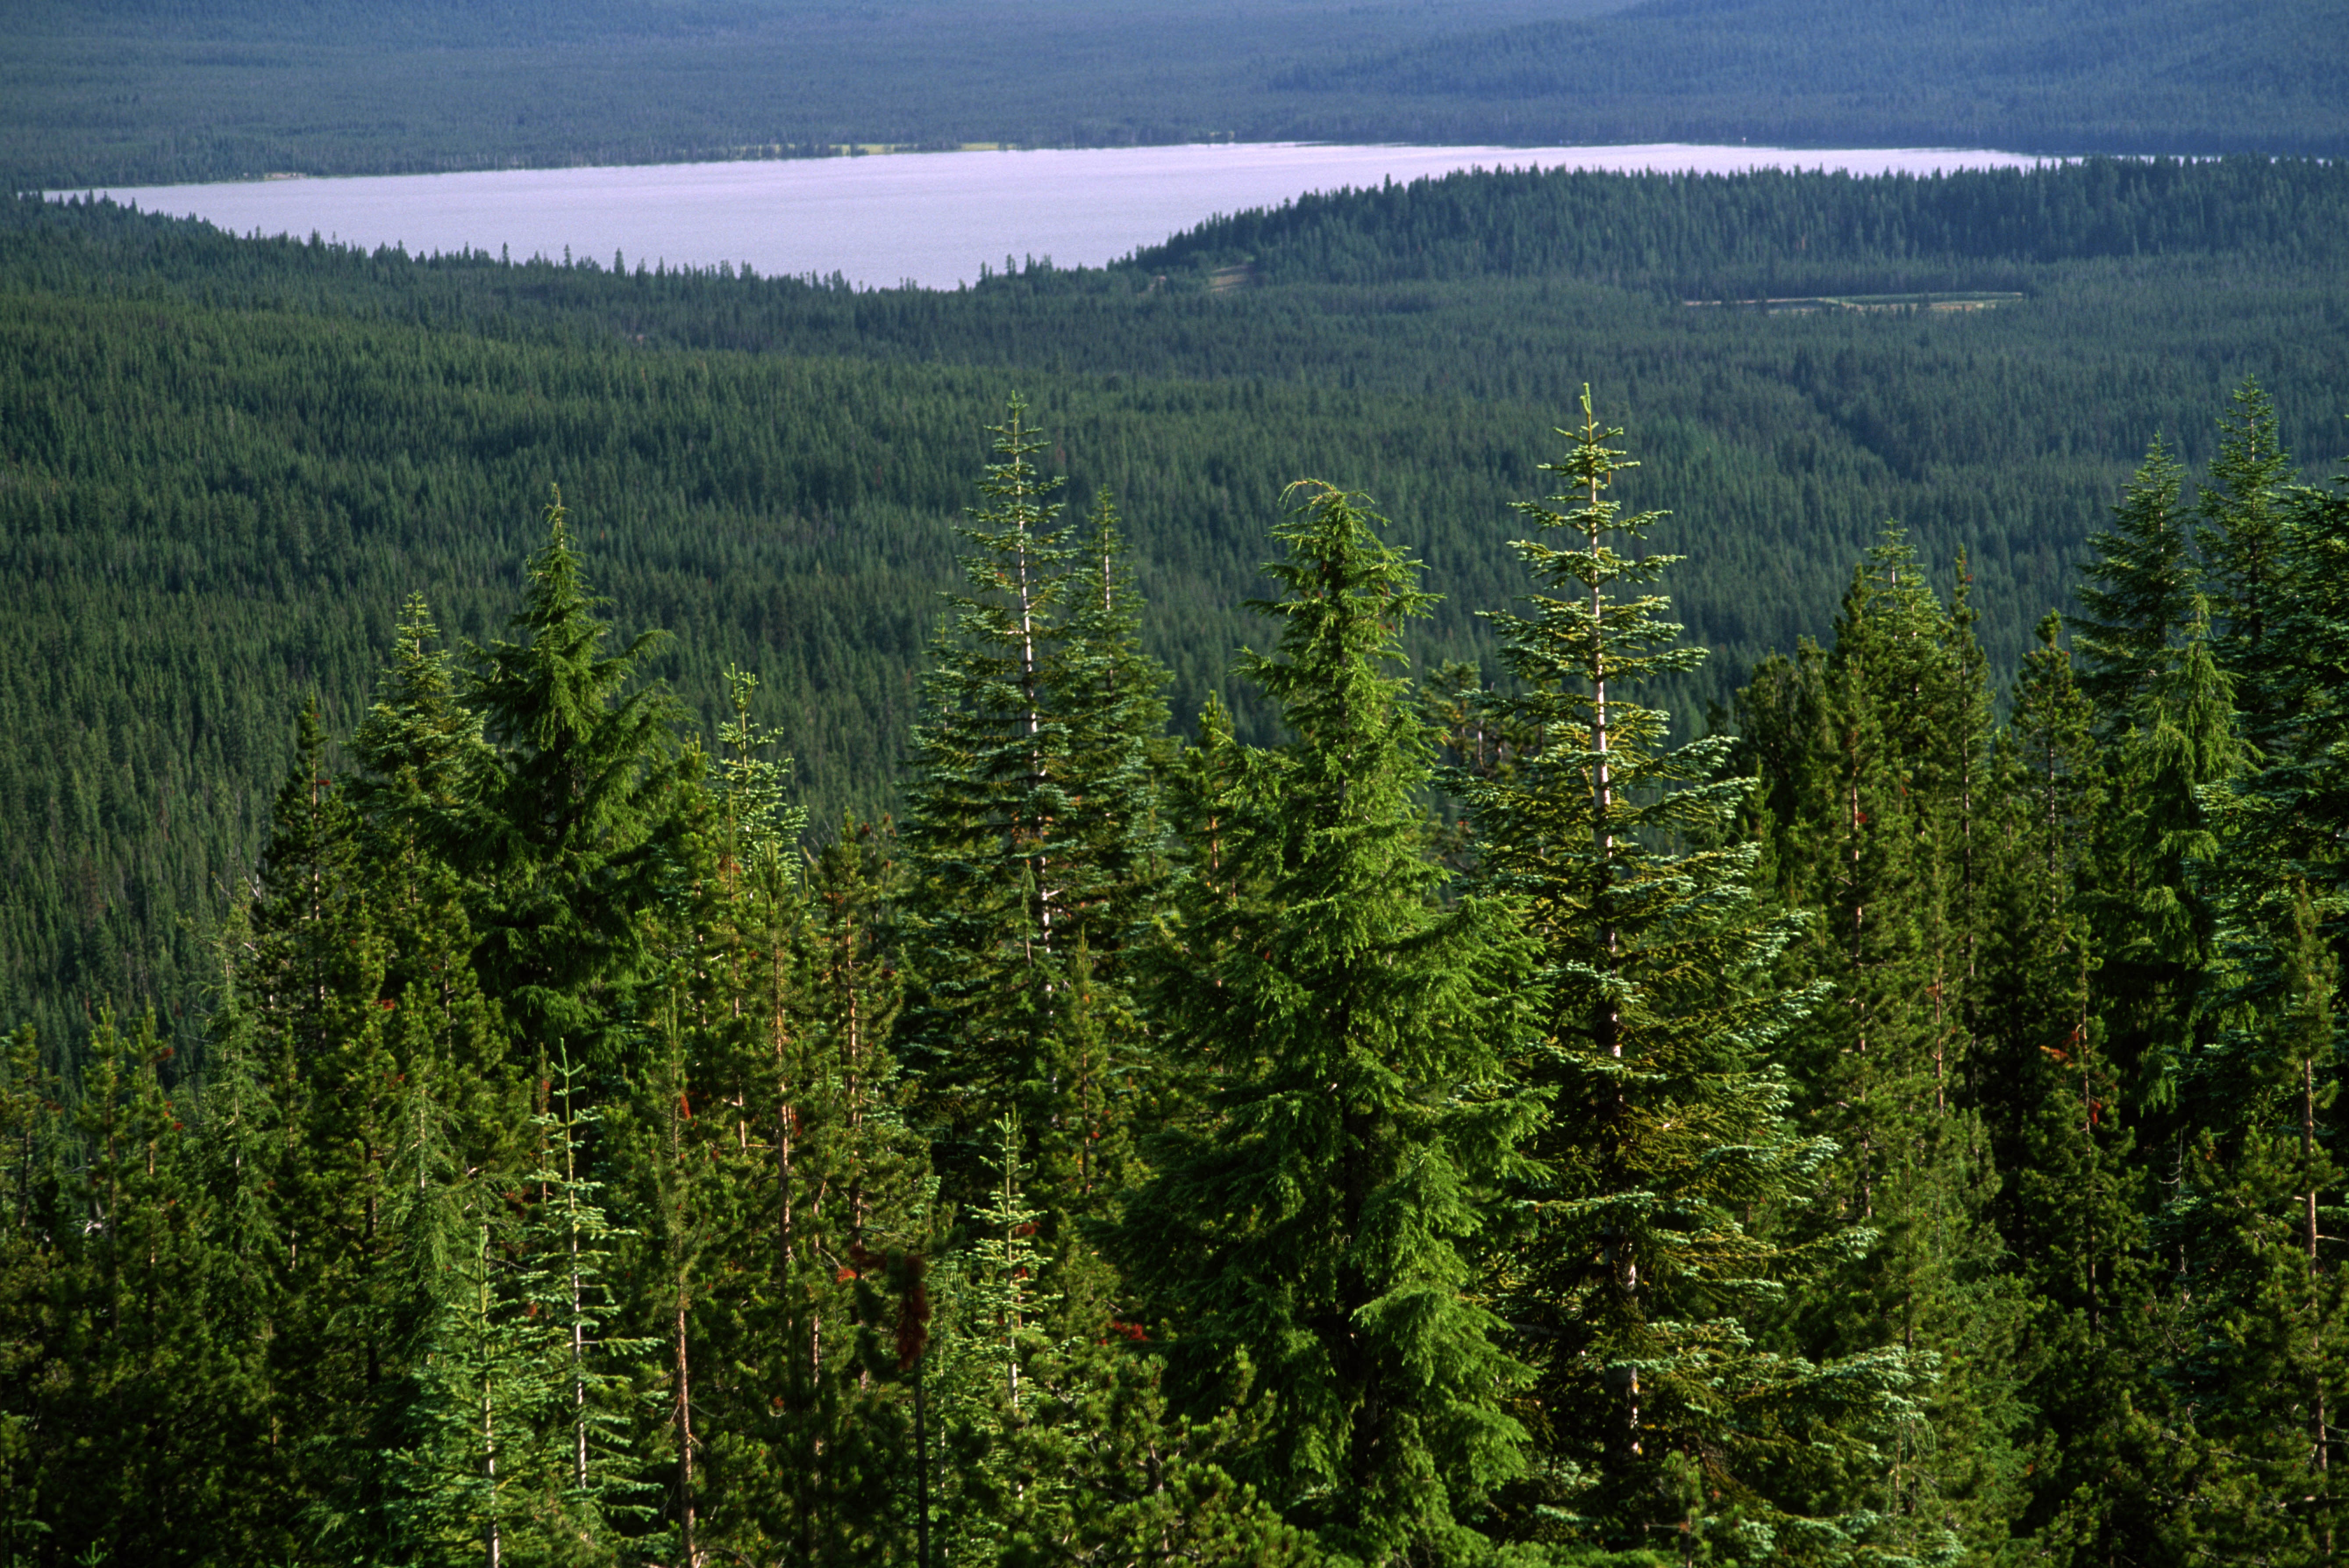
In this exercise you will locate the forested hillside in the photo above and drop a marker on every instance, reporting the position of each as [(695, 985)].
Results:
[(135, 92), (1888, 1133), (2156, 76), (227, 463), (1525, 871)]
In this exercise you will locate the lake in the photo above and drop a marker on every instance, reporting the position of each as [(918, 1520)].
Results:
[(930, 219)]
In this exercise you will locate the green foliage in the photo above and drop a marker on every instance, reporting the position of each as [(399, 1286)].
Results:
[(1665, 1214), (765, 466), (1886, 1135), (1031, 827), (2139, 596), (1312, 1227), (210, 89), (565, 835)]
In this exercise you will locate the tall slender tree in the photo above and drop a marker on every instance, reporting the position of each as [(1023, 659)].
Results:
[(570, 829), (2242, 534), (2137, 596), (1031, 836), (1670, 1182), (1313, 1234)]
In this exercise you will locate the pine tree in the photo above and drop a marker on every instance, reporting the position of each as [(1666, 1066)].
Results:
[(419, 746), (313, 1026), (515, 1391), (2297, 806), (771, 1157), (2069, 1205), (1063, 1449), (2260, 1361), (1877, 832), (30, 1261), (987, 777), (1669, 1169), (565, 1288), (995, 1303), (1311, 1234), (151, 1407), (1109, 840), (2153, 903)]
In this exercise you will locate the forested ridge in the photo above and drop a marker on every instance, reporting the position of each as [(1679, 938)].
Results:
[(137, 92), (854, 1076)]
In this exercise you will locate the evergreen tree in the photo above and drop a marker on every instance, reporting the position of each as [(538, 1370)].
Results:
[(2245, 555), (2153, 903), (2297, 808), (30, 1261), (515, 1397), (153, 1402), (1670, 1178), (2069, 1205), (987, 778), (2138, 593), (1032, 830), (311, 1027), (1878, 834), (2258, 1359), (1313, 1234), (567, 834)]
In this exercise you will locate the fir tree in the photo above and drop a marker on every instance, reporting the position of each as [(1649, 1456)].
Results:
[(2259, 1362), (2138, 595), (1311, 1234), (2070, 1204), (1669, 1169), (1032, 831), (1874, 832), (2153, 902), (567, 834), (2244, 549), (30, 1261)]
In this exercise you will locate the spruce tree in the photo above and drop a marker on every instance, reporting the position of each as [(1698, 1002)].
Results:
[(2138, 593), (1671, 1181), (567, 833), (1311, 1234), (2152, 902), (30, 1258), (2069, 1205), (2245, 550), (2256, 1323), (986, 777), (1876, 834), (1031, 836)]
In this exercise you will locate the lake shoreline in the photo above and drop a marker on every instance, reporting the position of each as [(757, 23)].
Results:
[(930, 220)]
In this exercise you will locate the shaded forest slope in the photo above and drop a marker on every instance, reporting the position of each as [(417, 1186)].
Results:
[(158, 91)]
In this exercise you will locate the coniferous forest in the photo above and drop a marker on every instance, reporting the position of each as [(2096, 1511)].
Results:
[(139, 92), (1332, 897)]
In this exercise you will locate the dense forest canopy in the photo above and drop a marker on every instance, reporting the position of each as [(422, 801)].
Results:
[(1523, 871), (1747, 1151), (126, 92), (259, 449)]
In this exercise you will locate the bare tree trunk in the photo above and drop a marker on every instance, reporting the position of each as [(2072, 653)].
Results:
[(2308, 1157), (685, 1436), (921, 1476), (492, 1545)]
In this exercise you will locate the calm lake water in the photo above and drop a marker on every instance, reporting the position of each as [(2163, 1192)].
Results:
[(927, 218)]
